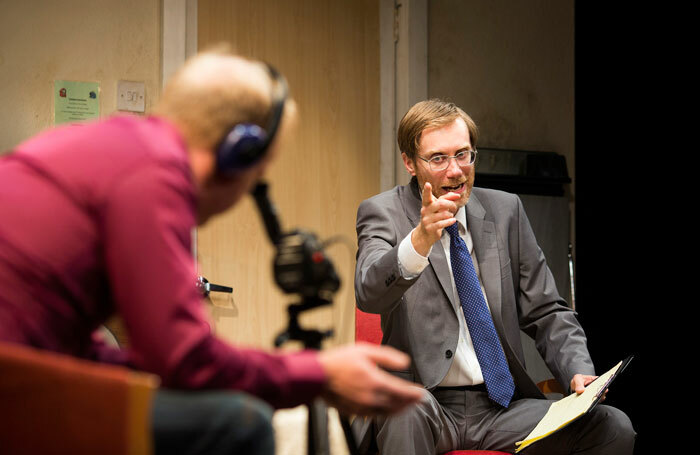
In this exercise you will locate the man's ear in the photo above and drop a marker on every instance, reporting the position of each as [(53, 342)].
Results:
[(203, 164), (409, 163)]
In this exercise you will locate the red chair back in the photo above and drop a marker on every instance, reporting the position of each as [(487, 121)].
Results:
[(368, 327)]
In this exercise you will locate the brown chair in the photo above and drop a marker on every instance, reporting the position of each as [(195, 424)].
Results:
[(368, 328), (53, 403)]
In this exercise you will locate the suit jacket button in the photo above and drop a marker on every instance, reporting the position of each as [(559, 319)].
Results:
[(448, 354)]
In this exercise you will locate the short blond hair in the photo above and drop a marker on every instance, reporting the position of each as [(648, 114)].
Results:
[(214, 91), (430, 114)]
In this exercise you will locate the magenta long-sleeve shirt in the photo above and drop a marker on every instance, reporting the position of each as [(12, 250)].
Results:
[(97, 219)]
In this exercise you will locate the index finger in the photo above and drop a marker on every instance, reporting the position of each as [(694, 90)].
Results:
[(427, 196)]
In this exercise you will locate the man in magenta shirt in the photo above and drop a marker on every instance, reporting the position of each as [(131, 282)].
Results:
[(96, 219)]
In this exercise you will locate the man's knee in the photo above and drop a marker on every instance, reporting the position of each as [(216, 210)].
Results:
[(618, 422), (614, 427), (417, 429), (415, 416)]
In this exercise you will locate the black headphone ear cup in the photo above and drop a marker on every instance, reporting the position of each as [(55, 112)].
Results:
[(240, 148), (246, 143)]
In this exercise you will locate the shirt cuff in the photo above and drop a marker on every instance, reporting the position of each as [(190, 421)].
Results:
[(306, 377), (411, 263)]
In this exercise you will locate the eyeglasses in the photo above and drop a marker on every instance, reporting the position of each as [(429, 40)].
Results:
[(442, 162)]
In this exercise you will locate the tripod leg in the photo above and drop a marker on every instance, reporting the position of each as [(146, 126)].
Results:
[(317, 443)]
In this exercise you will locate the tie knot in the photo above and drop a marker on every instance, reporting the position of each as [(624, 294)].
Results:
[(453, 229)]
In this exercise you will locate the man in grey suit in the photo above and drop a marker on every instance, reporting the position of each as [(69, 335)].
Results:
[(405, 266)]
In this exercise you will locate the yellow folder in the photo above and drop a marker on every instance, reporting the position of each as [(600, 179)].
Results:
[(563, 412)]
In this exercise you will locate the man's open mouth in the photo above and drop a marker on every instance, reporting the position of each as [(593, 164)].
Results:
[(455, 189)]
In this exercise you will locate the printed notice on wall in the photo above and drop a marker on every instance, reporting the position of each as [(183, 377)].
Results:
[(75, 101)]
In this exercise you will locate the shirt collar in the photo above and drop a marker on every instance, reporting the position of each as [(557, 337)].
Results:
[(462, 220)]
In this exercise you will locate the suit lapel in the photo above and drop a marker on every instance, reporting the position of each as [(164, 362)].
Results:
[(438, 260), (483, 234)]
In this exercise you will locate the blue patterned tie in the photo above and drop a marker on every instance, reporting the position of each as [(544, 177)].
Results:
[(499, 382)]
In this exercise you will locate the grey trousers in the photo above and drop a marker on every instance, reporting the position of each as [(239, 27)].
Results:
[(463, 419)]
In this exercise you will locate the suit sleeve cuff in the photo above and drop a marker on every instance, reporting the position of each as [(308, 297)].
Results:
[(411, 263)]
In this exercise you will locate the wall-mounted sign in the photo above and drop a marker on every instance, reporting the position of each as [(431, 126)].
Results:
[(75, 101)]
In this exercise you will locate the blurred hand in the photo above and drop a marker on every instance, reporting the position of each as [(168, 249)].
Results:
[(356, 384)]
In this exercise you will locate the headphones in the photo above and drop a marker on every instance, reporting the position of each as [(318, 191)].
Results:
[(246, 143)]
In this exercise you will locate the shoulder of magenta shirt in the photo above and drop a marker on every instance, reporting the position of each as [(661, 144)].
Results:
[(97, 219)]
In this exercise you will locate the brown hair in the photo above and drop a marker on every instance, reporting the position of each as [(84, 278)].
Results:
[(430, 114)]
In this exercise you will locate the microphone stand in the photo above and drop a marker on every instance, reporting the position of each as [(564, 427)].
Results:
[(301, 267)]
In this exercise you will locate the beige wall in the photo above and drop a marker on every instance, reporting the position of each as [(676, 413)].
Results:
[(329, 53), (511, 66), (85, 40)]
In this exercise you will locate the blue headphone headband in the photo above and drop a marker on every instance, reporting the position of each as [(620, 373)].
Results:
[(246, 143)]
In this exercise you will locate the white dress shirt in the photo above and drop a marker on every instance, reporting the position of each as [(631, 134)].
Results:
[(465, 368)]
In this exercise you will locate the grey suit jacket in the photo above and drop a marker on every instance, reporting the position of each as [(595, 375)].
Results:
[(419, 315)]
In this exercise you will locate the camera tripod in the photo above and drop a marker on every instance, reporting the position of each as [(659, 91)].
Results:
[(317, 428), (301, 267)]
